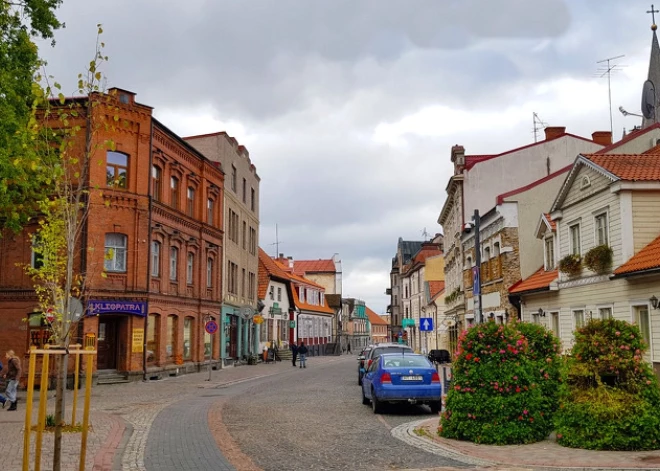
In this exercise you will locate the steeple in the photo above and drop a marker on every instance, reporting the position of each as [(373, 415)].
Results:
[(651, 93)]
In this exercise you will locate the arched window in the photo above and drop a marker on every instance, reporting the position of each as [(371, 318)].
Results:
[(115, 252), (190, 202), (157, 182), (117, 169), (174, 192)]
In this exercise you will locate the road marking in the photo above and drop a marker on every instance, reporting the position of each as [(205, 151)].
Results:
[(384, 422)]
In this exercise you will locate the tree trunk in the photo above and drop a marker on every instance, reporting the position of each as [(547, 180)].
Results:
[(60, 408)]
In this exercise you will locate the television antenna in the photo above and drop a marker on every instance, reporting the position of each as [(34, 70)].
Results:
[(277, 243), (539, 124), (608, 66), (425, 234)]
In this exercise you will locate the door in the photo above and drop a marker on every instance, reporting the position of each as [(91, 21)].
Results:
[(106, 344), (233, 337)]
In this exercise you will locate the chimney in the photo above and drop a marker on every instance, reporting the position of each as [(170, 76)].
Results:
[(290, 259), (281, 255), (552, 132), (604, 138)]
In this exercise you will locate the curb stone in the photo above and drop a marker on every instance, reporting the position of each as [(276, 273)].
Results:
[(406, 433)]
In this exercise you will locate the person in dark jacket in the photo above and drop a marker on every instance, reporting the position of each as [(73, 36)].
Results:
[(12, 375), (302, 351), (294, 354)]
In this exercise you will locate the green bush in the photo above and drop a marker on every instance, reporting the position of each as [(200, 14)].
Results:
[(610, 398), (500, 383)]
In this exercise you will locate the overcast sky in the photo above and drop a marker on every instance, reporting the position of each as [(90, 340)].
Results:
[(349, 108)]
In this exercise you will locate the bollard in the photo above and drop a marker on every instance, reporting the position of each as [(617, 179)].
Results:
[(43, 402)]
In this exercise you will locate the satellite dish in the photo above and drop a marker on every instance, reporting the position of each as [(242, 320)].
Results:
[(648, 100)]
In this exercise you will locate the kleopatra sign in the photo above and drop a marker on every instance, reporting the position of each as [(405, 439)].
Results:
[(96, 307)]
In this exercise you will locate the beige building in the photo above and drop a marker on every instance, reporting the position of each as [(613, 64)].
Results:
[(240, 256)]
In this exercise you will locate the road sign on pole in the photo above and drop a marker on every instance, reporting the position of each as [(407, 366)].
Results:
[(211, 327), (476, 281), (426, 324)]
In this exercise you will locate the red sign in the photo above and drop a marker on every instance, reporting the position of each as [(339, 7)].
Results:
[(211, 327)]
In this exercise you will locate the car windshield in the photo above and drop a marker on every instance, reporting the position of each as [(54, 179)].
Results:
[(403, 361), (393, 349)]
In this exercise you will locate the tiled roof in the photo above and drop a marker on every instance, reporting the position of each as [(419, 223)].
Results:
[(311, 307), (374, 318), (653, 150), (436, 287), (646, 259), (553, 224), (629, 167), (426, 252), (536, 282), (300, 267), (268, 268), (303, 280), (629, 137)]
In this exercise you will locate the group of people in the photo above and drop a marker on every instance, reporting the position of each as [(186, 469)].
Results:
[(11, 374), (299, 351)]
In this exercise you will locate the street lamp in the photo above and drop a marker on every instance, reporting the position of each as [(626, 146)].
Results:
[(476, 271)]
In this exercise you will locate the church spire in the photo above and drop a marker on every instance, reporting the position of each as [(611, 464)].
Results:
[(653, 77)]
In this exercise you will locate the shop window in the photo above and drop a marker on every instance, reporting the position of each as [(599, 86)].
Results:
[(153, 327), (170, 346), (39, 331), (208, 346), (157, 182), (115, 252), (187, 338), (155, 259), (117, 169)]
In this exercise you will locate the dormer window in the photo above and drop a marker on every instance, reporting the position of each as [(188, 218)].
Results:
[(549, 253)]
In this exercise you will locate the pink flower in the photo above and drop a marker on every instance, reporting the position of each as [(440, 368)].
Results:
[(648, 381), (525, 412), (515, 378), (617, 333), (559, 435)]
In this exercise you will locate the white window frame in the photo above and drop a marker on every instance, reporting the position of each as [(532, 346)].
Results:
[(174, 263), (606, 213), (155, 258), (119, 254), (584, 318), (271, 293), (209, 272), (633, 319), (190, 268), (549, 265), (571, 248), (600, 307), (551, 314)]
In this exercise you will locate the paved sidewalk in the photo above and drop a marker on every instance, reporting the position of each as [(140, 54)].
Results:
[(542, 455), (122, 417)]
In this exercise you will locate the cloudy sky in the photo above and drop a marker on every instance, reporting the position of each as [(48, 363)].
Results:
[(349, 107)]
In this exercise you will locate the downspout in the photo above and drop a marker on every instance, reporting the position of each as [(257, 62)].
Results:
[(148, 287)]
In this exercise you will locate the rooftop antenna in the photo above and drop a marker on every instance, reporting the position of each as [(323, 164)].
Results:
[(606, 69), (425, 234), (538, 125), (276, 243)]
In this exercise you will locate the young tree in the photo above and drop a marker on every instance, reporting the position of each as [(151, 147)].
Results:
[(69, 136), (23, 182)]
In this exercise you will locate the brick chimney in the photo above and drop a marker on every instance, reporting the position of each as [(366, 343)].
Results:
[(604, 138), (552, 132)]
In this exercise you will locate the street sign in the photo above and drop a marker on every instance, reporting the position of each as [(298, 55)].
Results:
[(476, 281), (426, 324), (258, 319), (211, 327), (407, 323)]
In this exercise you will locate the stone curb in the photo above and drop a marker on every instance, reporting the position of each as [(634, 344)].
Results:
[(406, 433)]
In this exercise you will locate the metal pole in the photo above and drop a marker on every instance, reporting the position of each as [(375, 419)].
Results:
[(76, 380), (477, 249), (88, 394), (28, 411), (43, 400)]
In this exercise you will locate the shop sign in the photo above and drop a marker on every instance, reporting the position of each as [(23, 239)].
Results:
[(276, 309), (138, 340), (258, 319), (137, 308), (292, 324)]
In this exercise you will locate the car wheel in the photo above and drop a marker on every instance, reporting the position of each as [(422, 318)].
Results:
[(375, 403), (435, 406), (365, 401)]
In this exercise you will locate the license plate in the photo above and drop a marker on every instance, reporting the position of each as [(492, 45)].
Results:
[(411, 378)]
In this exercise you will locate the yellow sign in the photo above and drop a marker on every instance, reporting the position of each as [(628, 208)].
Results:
[(258, 319), (138, 340)]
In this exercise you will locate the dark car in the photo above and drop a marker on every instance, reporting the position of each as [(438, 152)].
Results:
[(403, 379), (377, 350), (361, 358), (439, 356)]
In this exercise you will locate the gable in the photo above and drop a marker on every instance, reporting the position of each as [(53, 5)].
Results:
[(585, 183)]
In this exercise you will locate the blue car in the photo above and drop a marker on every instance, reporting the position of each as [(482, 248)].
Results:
[(402, 378)]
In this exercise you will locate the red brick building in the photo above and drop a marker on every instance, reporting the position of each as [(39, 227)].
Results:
[(156, 228)]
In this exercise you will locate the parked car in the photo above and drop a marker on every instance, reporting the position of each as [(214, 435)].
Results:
[(439, 356), (401, 378), (377, 350), (361, 358)]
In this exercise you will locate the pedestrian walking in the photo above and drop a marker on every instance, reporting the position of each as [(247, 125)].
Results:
[(12, 375), (302, 351), (349, 348), (3, 399), (294, 353)]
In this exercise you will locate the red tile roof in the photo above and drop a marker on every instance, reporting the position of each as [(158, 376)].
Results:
[(426, 252), (538, 281), (436, 287), (300, 267), (374, 318), (653, 150), (553, 224), (646, 259), (629, 167), (631, 135), (311, 307), (268, 268)]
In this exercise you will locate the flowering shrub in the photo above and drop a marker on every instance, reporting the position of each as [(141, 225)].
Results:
[(500, 383), (610, 399)]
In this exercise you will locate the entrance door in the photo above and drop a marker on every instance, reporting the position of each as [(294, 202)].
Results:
[(233, 337), (106, 344)]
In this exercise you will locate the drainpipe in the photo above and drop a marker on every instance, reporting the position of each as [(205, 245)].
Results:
[(148, 287)]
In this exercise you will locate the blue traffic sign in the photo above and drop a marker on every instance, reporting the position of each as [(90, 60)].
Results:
[(426, 324), (211, 327), (476, 281)]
